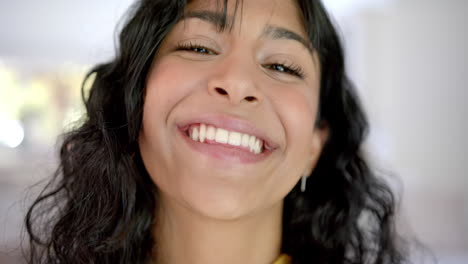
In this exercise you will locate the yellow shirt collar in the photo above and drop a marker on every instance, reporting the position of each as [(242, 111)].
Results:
[(283, 259)]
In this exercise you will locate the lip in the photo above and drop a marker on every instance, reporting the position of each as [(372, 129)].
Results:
[(231, 124), (225, 152)]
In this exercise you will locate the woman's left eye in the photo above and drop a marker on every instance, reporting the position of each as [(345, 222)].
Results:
[(294, 70)]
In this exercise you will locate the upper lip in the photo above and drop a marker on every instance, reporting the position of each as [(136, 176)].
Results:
[(229, 123)]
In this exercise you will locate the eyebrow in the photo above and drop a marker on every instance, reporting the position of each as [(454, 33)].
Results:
[(221, 20), (283, 33)]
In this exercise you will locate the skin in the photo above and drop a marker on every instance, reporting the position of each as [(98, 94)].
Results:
[(223, 211)]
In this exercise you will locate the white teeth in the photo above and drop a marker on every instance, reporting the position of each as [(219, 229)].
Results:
[(210, 133), (252, 143), (194, 134), (245, 140), (202, 132), (223, 136), (258, 147), (235, 138)]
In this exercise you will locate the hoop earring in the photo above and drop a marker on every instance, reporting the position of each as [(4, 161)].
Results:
[(303, 182)]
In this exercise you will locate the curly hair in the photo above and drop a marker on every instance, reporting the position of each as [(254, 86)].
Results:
[(99, 207)]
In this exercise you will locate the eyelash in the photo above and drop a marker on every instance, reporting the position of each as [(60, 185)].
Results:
[(290, 69), (192, 46)]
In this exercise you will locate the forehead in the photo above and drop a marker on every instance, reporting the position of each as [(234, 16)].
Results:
[(254, 13)]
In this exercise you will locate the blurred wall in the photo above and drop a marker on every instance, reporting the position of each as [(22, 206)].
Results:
[(410, 62), (52, 32)]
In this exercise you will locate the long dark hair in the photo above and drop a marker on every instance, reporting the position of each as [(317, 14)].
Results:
[(99, 206)]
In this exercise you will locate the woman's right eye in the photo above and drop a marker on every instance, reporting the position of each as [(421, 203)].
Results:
[(191, 47)]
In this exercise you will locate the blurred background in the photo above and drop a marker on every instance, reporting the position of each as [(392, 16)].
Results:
[(408, 59)]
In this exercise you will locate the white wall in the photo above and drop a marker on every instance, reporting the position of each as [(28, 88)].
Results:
[(410, 61), (54, 31)]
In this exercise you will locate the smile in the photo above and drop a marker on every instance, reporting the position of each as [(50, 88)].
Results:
[(227, 139), (209, 134)]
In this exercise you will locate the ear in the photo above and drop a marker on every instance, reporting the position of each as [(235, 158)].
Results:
[(319, 139)]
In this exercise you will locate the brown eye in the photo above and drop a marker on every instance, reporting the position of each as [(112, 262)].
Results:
[(200, 50)]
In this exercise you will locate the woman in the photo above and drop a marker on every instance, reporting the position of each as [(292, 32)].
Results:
[(222, 132)]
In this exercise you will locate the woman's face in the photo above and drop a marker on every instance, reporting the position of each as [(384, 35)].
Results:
[(228, 121)]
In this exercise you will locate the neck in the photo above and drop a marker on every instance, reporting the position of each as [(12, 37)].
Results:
[(184, 236)]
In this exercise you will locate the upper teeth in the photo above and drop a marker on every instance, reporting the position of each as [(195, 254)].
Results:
[(204, 132)]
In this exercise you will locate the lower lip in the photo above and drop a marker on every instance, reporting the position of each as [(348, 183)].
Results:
[(225, 152)]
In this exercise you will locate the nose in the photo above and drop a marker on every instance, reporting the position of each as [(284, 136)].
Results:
[(234, 82)]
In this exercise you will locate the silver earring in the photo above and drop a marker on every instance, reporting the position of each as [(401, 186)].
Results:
[(303, 182)]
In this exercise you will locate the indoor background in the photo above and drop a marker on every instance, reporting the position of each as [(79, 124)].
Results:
[(408, 59)]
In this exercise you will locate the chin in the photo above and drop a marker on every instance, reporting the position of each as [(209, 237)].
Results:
[(218, 203)]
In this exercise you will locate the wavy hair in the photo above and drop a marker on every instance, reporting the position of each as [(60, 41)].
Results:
[(100, 204)]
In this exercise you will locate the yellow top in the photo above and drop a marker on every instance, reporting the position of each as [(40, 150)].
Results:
[(283, 259)]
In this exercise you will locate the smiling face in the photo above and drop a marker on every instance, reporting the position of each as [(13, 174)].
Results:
[(228, 121)]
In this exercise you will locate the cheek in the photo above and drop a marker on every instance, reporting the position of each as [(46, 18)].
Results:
[(164, 91), (169, 83), (164, 87), (298, 111)]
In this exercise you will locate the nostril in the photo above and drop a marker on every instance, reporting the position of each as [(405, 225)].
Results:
[(221, 91), (250, 98)]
